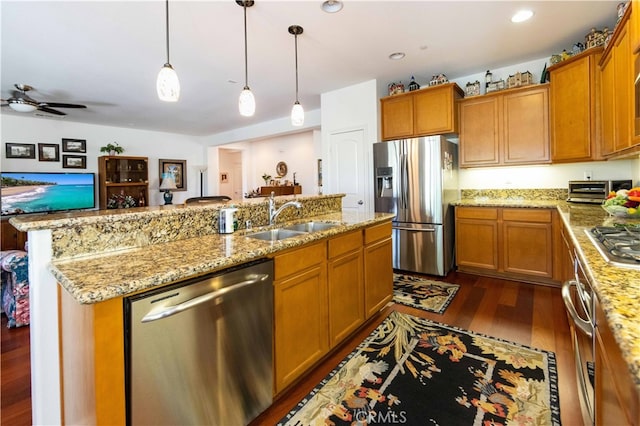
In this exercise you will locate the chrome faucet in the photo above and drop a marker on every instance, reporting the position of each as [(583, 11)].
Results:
[(273, 213)]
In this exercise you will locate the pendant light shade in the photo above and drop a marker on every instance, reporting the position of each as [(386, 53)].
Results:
[(246, 102), (167, 84), (297, 112)]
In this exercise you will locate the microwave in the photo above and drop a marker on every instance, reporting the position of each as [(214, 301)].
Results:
[(595, 191)]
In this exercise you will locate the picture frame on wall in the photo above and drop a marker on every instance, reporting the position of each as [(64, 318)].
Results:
[(74, 161), (20, 150), (48, 152), (74, 145), (178, 169)]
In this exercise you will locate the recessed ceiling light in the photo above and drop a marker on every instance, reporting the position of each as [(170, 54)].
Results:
[(396, 56), (521, 16), (332, 6)]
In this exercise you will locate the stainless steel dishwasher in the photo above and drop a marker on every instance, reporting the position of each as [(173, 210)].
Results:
[(200, 351)]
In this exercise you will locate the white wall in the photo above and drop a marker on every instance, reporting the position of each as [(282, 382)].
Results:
[(144, 143)]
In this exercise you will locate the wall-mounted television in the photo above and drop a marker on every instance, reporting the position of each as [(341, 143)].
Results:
[(37, 192)]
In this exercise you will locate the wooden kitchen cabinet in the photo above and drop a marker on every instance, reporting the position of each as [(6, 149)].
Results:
[(378, 268), (516, 243), (345, 285), (617, 401), (300, 311), (120, 175), (429, 111), (506, 128), (617, 92), (12, 239), (477, 237), (574, 94)]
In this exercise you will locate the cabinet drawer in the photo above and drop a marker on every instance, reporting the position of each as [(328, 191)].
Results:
[(299, 259), (527, 215), (476, 213), (377, 232), (345, 243)]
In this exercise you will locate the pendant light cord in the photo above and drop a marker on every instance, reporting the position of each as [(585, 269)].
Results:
[(296, 42), (167, 22), (246, 66)]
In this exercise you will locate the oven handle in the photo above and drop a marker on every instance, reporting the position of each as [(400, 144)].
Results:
[(585, 326)]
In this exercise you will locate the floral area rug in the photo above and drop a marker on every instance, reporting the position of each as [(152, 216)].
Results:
[(417, 372), (422, 293)]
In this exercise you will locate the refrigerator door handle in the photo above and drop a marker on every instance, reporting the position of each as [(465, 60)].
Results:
[(415, 230)]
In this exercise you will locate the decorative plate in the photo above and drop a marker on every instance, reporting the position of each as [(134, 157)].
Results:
[(621, 211), (281, 169)]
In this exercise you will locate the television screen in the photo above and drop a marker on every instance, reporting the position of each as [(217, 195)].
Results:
[(46, 192)]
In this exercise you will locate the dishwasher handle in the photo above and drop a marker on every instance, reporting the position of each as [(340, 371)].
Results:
[(176, 309), (583, 325), (415, 229)]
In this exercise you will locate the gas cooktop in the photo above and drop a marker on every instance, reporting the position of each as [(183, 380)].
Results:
[(618, 245)]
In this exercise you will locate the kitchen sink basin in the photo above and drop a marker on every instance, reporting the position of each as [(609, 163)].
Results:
[(275, 234), (312, 226)]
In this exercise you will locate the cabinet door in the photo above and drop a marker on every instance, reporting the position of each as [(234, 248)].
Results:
[(525, 124), (397, 117), (434, 111), (477, 243), (378, 275), (623, 85), (346, 295), (479, 132), (607, 111), (11, 238), (300, 324), (527, 248), (572, 106)]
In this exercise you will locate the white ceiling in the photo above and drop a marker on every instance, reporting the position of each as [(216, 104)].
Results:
[(106, 54)]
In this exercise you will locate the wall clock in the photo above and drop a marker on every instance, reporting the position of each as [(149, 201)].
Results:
[(281, 169)]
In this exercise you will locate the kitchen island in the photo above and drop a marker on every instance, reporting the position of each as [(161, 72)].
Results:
[(617, 288), (89, 261)]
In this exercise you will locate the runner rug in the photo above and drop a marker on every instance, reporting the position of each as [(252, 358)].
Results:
[(418, 372), (423, 293)]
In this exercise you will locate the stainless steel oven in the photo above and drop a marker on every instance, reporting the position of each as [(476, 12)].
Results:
[(578, 298)]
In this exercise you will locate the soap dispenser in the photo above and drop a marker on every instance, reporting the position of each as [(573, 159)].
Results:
[(225, 220)]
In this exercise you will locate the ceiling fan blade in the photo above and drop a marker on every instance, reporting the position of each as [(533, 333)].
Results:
[(50, 110), (61, 105)]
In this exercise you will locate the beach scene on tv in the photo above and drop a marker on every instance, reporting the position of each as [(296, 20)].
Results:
[(46, 192)]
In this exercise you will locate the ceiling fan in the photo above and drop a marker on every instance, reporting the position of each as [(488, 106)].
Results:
[(21, 102)]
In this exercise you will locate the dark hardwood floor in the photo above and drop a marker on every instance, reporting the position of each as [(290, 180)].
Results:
[(15, 376), (524, 313)]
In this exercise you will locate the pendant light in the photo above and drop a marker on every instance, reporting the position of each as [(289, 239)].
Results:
[(167, 84), (297, 112), (246, 102)]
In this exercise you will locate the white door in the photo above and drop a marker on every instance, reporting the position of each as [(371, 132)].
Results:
[(346, 169)]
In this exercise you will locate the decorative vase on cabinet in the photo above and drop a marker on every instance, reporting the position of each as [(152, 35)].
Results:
[(123, 181)]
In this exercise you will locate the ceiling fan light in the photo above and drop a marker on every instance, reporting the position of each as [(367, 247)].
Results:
[(22, 107), (247, 102), (521, 16), (168, 85), (297, 114)]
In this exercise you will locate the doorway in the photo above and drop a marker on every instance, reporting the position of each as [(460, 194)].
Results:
[(230, 181)]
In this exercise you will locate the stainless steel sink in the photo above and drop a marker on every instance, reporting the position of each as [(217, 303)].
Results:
[(275, 234), (312, 226)]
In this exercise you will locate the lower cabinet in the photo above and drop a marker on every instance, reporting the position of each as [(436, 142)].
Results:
[(300, 310), (616, 395), (510, 242), (378, 270), (346, 286), (325, 291)]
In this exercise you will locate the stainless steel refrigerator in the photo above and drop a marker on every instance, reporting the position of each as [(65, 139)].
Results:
[(417, 179)]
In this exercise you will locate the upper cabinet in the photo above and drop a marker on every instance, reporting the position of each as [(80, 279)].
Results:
[(430, 111), (618, 91), (574, 86), (509, 127)]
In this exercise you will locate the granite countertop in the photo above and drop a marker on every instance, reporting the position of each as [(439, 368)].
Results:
[(92, 279), (617, 288)]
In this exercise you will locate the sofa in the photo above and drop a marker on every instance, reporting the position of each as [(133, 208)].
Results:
[(15, 287)]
